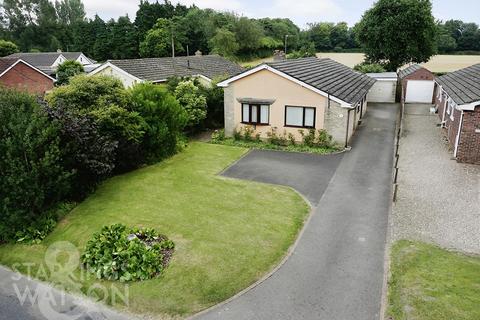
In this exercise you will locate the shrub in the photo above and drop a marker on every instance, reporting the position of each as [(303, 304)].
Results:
[(215, 99), (309, 138), (87, 153), (248, 133), (366, 67), (7, 48), (218, 135), (33, 178), (164, 120), (237, 134), (67, 70), (127, 254), (324, 139), (189, 97), (86, 93)]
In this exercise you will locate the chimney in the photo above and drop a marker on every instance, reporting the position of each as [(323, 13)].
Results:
[(279, 55), (198, 53), (59, 50)]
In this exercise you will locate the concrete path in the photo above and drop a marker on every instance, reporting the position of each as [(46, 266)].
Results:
[(22, 298), (336, 271)]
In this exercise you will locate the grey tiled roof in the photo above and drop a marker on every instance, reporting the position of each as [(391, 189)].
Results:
[(463, 86), (328, 76), (37, 59), (6, 63), (408, 70), (156, 69)]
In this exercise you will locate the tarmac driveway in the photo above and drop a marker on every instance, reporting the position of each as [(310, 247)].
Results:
[(336, 272), (309, 174)]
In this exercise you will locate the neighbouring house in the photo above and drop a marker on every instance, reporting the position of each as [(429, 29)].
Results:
[(299, 94), (457, 99), (49, 61), (157, 70), (417, 84), (385, 89), (20, 75)]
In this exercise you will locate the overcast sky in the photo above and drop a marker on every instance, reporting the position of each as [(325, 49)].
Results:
[(300, 11)]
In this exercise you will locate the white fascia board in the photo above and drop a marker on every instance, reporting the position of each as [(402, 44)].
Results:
[(463, 107), (203, 77), (28, 65), (57, 62), (225, 83), (111, 65)]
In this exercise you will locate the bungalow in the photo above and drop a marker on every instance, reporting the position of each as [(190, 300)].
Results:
[(299, 94), (49, 61), (158, 70), (457, 99), (19, 74)]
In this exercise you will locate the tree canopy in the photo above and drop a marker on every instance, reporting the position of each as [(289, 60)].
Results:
[(396, 32)]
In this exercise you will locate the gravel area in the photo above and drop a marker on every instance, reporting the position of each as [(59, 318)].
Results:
[(438, 199)]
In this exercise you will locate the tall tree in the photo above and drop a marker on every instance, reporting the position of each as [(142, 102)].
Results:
[(158, 41), (124, 39), (224, 43), (248, 33), (70, 11), (396, 32)]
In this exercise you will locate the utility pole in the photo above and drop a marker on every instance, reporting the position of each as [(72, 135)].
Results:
[(285, 51), (173, 47)]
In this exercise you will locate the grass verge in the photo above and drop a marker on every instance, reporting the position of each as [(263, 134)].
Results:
[(228, 233), (428, 282)]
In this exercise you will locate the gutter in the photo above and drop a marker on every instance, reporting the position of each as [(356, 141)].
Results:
[(348, 125)]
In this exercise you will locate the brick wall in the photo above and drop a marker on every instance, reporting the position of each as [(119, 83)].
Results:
[(420, 74), (24, 78), (469, 144)]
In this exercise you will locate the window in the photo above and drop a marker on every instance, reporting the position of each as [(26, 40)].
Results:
[(255, 114), (303, 117)]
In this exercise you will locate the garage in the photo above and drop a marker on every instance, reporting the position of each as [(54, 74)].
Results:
[(417, 84), (384, 90), (419, 91)]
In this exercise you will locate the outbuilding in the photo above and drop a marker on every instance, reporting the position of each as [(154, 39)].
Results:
[(385, 89), (292, 96), (417, 84), (457, 98)]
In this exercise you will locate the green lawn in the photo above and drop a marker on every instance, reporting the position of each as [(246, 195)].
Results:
[(432, 283), (228, 233)]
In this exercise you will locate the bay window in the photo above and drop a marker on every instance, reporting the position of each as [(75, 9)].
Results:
[(302, 117)]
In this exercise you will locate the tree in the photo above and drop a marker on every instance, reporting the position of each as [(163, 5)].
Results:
[(366, 67), (248, 34), (67, 70), (397, 32), (224, 43), (164, 120), (158, 41), (319, 33), (7, 48), (124, 39), (189, 97), (339, 35), (70, 11)]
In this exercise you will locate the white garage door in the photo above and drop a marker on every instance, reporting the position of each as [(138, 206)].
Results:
[(419, 91), (382, 91)]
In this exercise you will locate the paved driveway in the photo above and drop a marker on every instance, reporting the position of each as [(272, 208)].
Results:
[(336, 271), (309, 174)]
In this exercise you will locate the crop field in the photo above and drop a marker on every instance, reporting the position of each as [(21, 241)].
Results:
[(439, 64)]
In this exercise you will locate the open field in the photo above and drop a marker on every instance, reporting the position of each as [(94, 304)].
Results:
[(440, 63), (228, 233), (428, 282)]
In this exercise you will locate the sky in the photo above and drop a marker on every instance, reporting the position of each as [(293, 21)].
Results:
[(299, 11)]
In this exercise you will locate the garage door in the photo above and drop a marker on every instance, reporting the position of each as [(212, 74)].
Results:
[(419, 91), (382, 91)]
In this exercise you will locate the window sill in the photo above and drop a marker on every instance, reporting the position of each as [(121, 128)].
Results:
[(256, 124), (298, 127)]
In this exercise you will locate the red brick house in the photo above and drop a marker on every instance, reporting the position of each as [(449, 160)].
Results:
[(18, 74), (417, 84), (457, 98)]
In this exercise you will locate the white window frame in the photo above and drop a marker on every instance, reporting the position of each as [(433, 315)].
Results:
[(303, 114)]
